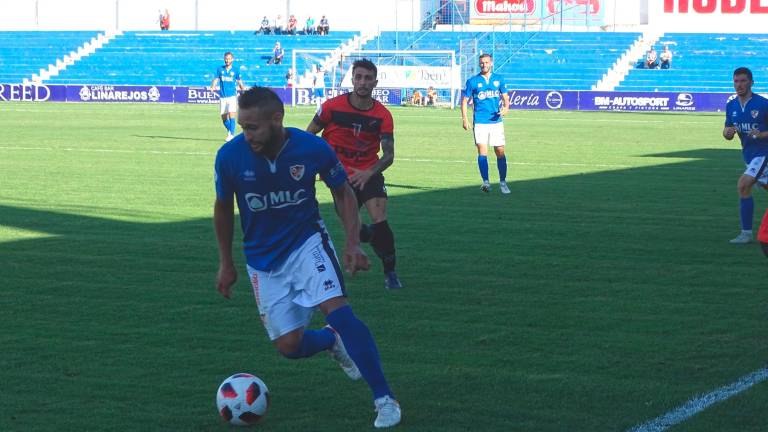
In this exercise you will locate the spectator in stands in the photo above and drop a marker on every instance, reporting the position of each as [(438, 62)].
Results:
[(290, 79), (279, 25), (651, 59), (309, 26), (291, 25), (323, 28), (416, 98), (277, 54), (435, 20), (666, 58), (264, 29), (431, 96), (165, 20)]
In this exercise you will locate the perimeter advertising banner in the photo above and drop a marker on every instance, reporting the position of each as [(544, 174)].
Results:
[(412, 77), (709, 16), (570, 12), (519, 99), (158, 94)]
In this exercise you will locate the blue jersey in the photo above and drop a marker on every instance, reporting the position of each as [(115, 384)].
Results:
[(486, 97), (228, 79), (753, 115), (276, 199)]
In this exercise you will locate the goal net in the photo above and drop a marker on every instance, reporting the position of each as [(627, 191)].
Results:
[(401, 74)]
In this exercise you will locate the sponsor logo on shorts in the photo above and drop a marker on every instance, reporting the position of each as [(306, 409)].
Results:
[(319, 260), (329, 285)]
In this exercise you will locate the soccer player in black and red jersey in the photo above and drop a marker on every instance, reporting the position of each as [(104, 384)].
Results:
[(357, 126)]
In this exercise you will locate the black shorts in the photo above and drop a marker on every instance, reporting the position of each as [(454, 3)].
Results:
[(374, 188)]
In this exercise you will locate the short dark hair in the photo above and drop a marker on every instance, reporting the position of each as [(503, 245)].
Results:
[(228, 53), (486, 55), (365, 64), (262, 98), (743, 71)]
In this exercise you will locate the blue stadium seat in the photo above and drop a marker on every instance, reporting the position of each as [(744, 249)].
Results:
[(191, 58), (23, 53), (703, 62)]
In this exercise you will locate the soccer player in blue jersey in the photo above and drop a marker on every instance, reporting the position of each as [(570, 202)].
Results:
[(746, 115), (490, 103), (270, 171), (227, 81)]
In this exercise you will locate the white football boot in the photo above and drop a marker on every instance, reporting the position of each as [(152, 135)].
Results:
[(339, 353), (229, 137), (743, 238), (486, 187), (503, 187), (388, 412)]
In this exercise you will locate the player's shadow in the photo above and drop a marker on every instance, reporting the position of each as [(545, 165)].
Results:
[(568, 277)]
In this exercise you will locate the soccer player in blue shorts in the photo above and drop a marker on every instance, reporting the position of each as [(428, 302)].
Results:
[(490, 103), (270, 171), (747, 115), (226, 82)]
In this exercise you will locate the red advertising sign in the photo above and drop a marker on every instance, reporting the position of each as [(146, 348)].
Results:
[(495, 8), (716, 6)]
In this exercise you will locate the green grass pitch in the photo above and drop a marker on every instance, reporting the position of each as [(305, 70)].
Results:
[(600, 294)]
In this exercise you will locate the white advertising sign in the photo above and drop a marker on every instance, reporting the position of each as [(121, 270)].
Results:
[(410, 77)]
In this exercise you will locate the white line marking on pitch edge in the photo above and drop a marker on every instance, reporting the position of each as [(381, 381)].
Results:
[(700, 403)]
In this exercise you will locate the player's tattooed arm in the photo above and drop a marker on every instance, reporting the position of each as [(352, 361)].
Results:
[(313, 127), (388, 152), (358, 179)]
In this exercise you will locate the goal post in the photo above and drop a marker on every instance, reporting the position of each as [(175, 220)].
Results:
[(400, 74)]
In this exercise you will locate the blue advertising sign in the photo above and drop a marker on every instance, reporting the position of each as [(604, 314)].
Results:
[(653, 101), (544, 99), (195, 95), (119, 93), (305, 96), (32, 93), (519, 99)]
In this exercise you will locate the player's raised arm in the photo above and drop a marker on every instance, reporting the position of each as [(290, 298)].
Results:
[(223, 224), (346, 207)]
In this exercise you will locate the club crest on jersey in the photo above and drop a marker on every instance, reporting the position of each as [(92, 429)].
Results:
[(297, 172), (755, 113), (495, 83)]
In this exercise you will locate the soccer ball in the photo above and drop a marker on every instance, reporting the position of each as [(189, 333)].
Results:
[(242, 399)]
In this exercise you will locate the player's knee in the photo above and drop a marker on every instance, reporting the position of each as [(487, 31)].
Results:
[(288, 347)]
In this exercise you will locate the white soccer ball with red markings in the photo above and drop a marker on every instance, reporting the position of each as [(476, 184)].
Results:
[(242, 399)]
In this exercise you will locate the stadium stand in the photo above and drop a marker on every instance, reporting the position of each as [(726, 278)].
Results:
[(702, 62), (191, 58), (543, 60), (23, 53)]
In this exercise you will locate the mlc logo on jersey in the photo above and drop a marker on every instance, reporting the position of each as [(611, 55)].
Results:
[(258, 202), (297, 172)]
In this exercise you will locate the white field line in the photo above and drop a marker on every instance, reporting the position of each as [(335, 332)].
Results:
[(204, 153), (700, 403)]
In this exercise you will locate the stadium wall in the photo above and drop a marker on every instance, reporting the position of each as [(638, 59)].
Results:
[(105, 15), (551, 100)]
